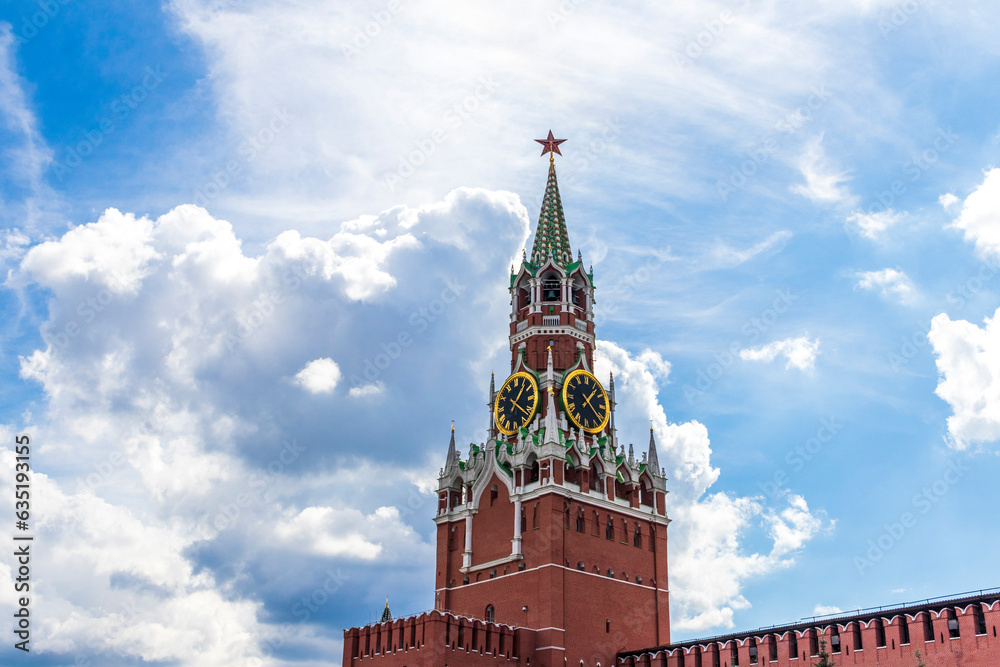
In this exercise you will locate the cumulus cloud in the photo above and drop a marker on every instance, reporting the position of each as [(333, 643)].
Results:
[(167, 415), (709, 562), (319, 376), (968, 364), (799, 352), (341, 532), (115, 252), (978, 218), (947, 200), (823, 182), (890, 283), (872, 225)]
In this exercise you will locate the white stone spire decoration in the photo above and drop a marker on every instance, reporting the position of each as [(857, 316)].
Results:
[(551, 425)]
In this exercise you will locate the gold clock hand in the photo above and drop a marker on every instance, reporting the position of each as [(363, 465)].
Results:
[(520, 408)]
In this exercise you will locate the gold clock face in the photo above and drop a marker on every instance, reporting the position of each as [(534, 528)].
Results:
[(516, 403), (586, 401)]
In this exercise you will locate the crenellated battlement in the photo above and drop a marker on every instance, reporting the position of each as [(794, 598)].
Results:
[(956, 631), (437, 638)]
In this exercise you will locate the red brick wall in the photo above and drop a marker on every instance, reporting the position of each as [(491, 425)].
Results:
[(967, 650), (492, 525)]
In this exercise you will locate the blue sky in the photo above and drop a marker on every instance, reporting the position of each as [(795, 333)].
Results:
[(255, 263)]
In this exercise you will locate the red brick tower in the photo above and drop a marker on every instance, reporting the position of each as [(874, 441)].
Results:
[(550, 525)]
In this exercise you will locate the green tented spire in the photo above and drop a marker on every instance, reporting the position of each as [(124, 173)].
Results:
[(386, 614), (551, 238)]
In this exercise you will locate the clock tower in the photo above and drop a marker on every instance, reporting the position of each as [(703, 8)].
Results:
[(551, 526)]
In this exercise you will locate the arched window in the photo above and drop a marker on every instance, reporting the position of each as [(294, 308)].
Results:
[(550, 288), (494, 492), (490, 614), (581, 526), (595, 480), (569, 473), (533, 475), (637, 538), (609, 531)]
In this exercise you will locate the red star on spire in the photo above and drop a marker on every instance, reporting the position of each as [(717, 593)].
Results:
[(551, 144)]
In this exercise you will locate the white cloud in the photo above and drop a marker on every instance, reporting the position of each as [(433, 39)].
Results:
[(709, 562), (979, 215), (823, 182), (144, 600), (319, 376), (728, 256), (891, 283), (947, 200), (29, 152), (872, 225), (371, 389), (594, 52), (172, 430), (800, 352), (115, 252), (825, 610), (968, 363), (341, 532)]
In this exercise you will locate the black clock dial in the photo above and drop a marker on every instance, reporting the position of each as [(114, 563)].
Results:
[(586, 401), (516, 403)]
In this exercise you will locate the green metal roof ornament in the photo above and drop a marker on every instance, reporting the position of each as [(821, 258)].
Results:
[(551, 237)]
